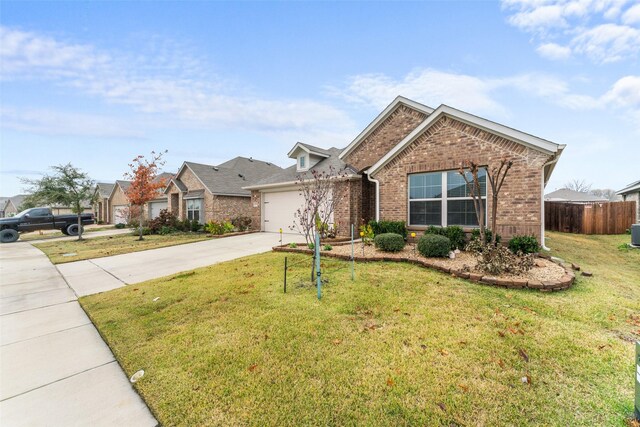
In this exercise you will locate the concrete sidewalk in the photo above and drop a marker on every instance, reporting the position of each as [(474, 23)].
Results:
[(54, 367), (102, 274)]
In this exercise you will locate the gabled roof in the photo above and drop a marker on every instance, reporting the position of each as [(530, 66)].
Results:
[(631, 188), (122, 184), (229, 178), (566, 195), (400, 100), (105, 189), (525, 139), (290, 175), (311, 149), (16, 200)]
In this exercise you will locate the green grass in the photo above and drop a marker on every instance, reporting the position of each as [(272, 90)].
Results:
[(111, 245), (35, 235), (400, 345)]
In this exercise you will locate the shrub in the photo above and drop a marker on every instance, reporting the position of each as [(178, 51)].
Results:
[(434, 245), (145, 231), (311, 246), (164, 230), (164, 219), (241, 223), (215, 227), (454, 233), (327, 247), (381, 227), (499, 259), (293, 245), (475, 235), (524, 244), (389, 242), (120, 226), (195, 226), (183, 225)]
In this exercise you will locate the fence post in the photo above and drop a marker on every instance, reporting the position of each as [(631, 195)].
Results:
[(318, 274), (352, 260), (285, 275)]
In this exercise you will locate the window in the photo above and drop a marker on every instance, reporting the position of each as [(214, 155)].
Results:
[(444, 198), (194, 209), (40, 212), (301, 160)]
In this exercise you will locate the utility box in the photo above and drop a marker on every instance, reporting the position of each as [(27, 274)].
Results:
[(635, 235), (637, 401)]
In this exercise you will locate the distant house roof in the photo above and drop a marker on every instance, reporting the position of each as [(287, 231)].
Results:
[(17, 200), (631, 188), (566, 195), (310, 149), (105, 188), (291, 175)]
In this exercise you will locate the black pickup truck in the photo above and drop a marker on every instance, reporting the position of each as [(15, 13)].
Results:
[(40, 219)]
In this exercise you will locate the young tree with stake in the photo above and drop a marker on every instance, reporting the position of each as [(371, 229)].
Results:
[(144, 182)]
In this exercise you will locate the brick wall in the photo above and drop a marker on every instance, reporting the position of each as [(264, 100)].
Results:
[(118, 198), (255, 210), (385, 136), (348, 208), (229, 207), (442, 147)]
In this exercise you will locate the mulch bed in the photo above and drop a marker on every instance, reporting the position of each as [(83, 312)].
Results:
[(547, 275)]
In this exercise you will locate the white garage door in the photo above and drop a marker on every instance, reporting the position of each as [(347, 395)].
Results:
[(155, 208), (279, 208), (120, 214)]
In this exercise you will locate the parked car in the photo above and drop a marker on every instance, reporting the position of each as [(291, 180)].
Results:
[(40, 219)]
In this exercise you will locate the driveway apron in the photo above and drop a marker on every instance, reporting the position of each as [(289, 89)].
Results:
[(55, 369)]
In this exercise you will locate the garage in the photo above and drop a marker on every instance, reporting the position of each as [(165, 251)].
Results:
[(120, 214), (279, 208), (156, 207)]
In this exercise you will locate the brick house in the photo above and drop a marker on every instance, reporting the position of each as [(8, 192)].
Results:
[(119, 206), (631, 193), (207, 192), (102, 209), (404, 167)]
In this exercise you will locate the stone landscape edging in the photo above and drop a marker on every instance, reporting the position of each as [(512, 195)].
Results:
[(563, 283)]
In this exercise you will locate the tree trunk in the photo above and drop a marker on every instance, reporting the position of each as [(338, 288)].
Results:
[(140, 226), (80, 226)]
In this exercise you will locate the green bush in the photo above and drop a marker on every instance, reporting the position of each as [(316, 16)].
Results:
[(327, 247), (389, 242), (164, 230), (381, 227), (475, 235), (215, 227), (311, 246), (145, 231), (454, 233), (434, 245), (293, 245), (120, 225), (164, 219), (524, 244), (195, 226)]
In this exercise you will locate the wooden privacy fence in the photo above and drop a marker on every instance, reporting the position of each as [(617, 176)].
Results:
[(589, 218)]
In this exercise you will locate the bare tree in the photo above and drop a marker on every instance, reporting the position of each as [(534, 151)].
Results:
[(321, 197), (496, 176), (579, 185), (607, 193)]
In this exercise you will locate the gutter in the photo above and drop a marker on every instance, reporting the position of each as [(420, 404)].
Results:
[(377, 183), (542, 185), (290, 183)]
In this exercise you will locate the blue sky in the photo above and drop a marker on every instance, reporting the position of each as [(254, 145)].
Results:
[(97, 83)]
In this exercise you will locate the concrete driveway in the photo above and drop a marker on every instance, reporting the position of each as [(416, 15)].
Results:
[(54, 367), (102, 274)]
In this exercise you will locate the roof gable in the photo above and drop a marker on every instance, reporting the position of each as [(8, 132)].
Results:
[(634, 186), (525, 139), (400, 100), (316, 151)]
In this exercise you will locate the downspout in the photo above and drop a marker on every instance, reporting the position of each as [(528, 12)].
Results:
[(549, 163), (377, 183)]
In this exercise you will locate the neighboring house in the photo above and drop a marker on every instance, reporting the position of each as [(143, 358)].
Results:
[(119, 206), (404, 167), (102, 209), (205, 192), (632, 193), (14, 205), (3, 204), (66, 210), (571, 196)]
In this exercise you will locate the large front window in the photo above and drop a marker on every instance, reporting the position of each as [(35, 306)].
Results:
[(444, 198), (194, 210)]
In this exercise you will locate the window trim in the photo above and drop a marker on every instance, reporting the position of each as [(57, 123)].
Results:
[(444, 199), (200, 209), (302, 162)]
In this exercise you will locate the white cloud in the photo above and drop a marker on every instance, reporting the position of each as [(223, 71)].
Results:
[(152, 84), (624, 93), (553, 51), (632, 15), (601, 30)]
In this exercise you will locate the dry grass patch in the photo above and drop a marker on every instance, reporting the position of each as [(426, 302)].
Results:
[(400, 345), (111, 245)]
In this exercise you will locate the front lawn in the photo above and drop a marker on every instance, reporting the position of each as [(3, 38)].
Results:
[(111, 245), (401, 345), (52, 234)]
